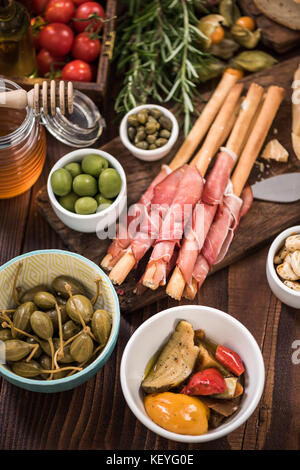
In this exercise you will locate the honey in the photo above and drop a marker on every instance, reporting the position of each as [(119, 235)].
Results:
[(22, 149)]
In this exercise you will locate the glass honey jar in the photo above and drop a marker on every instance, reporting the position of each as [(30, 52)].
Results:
[(22, 147)]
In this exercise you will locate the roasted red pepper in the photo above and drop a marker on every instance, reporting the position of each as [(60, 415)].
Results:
[(205, 382), (230, 359)]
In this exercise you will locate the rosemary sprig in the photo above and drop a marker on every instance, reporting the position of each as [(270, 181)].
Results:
[(159, 54)]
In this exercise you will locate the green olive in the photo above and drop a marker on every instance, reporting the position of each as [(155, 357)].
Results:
[(44, 300), (61, 182), (83, 305), (102, 202), (59, 285), (85, 205), (41, 324), (85, 185), (74, 168), (68, 201), (110, 183), (93, 164), (21, 318)]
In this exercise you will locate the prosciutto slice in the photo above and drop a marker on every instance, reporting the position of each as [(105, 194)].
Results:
[(188, 194), (151, 220), (222, 231), (123, 239), (204, 213)]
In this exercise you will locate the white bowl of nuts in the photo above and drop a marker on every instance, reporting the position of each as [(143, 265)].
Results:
[(283, 267)]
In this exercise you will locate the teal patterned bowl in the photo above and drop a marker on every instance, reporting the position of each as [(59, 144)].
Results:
[(40, 267)]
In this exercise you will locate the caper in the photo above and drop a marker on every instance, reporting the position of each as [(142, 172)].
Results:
[(143, 145), (46, 364), (38, 352), (165, 133), (5, 334), (165, 122), (151, 138), (59, 282), (15, 349), (21, 318), (46, 347), (140, 128), (52, 314), (44, 300), (155, 112), (133, 120), (41, 324), (131, 132), (82, 348), (30, 293), (160, 142), (101, 326), (26, 369), (70, 329), (83, 305), (139, 136), (152, 119), (152, 147), (67, 358), (151, 127), (142, 116)]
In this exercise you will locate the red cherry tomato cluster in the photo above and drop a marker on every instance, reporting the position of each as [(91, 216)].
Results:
[(66, 37)]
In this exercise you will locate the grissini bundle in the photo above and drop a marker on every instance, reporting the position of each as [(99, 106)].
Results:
[(173, 225), (234, 207), (200, 128), (215, 186)]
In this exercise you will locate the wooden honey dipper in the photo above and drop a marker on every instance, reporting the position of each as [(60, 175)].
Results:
[(41, 96)]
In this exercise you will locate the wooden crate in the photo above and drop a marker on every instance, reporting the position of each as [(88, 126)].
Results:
[(96, 90)]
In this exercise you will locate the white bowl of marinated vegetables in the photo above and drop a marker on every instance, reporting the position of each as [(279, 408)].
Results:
[(192, 374), (149, 131), (87, 190)]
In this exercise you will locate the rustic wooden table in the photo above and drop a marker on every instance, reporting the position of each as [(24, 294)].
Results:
[(95, 415)]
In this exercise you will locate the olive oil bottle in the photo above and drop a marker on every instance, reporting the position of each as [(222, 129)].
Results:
[(17, 54)]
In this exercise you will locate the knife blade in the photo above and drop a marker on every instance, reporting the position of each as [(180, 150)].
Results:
[(282, 188)]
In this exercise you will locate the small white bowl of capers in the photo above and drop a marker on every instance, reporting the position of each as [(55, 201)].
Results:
[(149, 131)]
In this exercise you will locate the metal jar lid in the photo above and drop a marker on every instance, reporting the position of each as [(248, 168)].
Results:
[(81, 128)]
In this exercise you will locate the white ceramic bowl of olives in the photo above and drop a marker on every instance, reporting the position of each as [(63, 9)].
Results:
[(149, 131), (87, 190)]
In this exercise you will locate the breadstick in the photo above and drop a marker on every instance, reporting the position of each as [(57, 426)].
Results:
[(204, 121), (260, 130)]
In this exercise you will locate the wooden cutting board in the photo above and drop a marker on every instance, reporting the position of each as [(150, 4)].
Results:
[(262, 223), (274, 35)]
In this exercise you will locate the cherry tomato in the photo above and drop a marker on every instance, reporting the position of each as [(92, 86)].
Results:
[(86, 48), (57, 38), (37, 25), (78, 71), (39, 6), (237, 72), (247, 22), (47, 62), (59, 11), (218, 35), (84, 11)]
